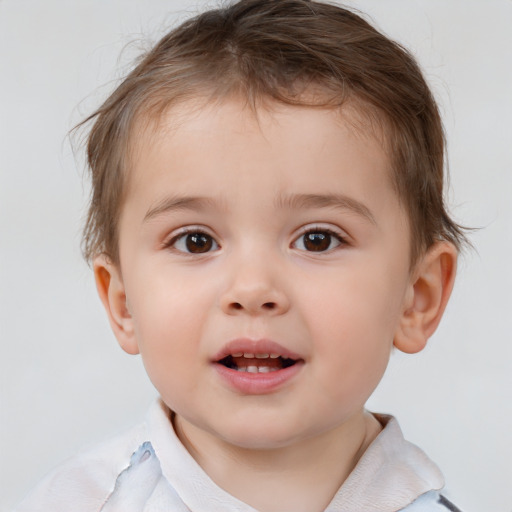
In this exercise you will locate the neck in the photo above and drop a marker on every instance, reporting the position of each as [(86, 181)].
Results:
[(302, 477)]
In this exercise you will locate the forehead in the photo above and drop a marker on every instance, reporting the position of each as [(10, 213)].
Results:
[(223, 122), (302, 147)]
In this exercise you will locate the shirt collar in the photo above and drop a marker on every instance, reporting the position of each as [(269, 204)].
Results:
[(390, 475)]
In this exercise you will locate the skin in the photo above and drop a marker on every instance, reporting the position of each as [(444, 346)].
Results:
[(253, 186)]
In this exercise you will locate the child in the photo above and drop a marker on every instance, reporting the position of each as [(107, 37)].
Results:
[(267, 223)]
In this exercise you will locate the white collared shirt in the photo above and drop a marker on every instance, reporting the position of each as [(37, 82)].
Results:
[(149, 470)]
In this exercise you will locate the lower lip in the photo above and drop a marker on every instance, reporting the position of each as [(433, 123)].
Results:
[(258, 383)]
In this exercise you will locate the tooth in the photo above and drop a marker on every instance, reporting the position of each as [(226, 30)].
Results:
[(242, 369), (274, 356), (263, 369), (238, 354), (252, 369), (249, 356), (262, 356)]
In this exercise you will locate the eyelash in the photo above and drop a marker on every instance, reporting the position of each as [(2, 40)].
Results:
[(210, 244), (331, 235), (182, 236)]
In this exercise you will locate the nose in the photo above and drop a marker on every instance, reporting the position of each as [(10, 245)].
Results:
[(254, 289)]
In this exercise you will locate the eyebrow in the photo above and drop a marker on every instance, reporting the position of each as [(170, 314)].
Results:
[(339, 201), (176, 203), (293, 202)]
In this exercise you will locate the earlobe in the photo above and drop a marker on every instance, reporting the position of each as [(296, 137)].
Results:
[(110, 286), (426, 298)]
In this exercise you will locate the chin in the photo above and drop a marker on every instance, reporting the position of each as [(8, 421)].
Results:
[(260, 436)]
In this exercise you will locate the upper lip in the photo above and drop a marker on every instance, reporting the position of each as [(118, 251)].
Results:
[(254, 346)]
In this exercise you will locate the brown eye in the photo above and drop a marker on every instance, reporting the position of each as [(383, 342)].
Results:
[(194, 243), (318, 241), (199, 242)]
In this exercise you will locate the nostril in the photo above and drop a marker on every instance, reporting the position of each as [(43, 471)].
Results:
[(253, 308)]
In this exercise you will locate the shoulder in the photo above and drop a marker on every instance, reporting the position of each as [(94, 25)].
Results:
[(84, 482), (431, 501)]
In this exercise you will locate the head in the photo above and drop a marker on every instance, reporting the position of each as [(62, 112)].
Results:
[(269, 181)]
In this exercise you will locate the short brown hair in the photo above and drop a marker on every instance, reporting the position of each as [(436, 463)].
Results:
[(278, 49)]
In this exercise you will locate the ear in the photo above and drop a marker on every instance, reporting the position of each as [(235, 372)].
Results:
[(110, 286), (426, 298)]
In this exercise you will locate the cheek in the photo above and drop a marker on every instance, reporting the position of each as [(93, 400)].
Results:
[(168, 320), (352, 321), (359, 307)]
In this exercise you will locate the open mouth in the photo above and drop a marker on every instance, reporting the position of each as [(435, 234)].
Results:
[(256, 363)]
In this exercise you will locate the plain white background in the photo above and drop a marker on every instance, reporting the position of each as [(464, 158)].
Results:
[(64, 381)]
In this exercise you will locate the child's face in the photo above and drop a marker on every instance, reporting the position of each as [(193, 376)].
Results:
[(282, 236)]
